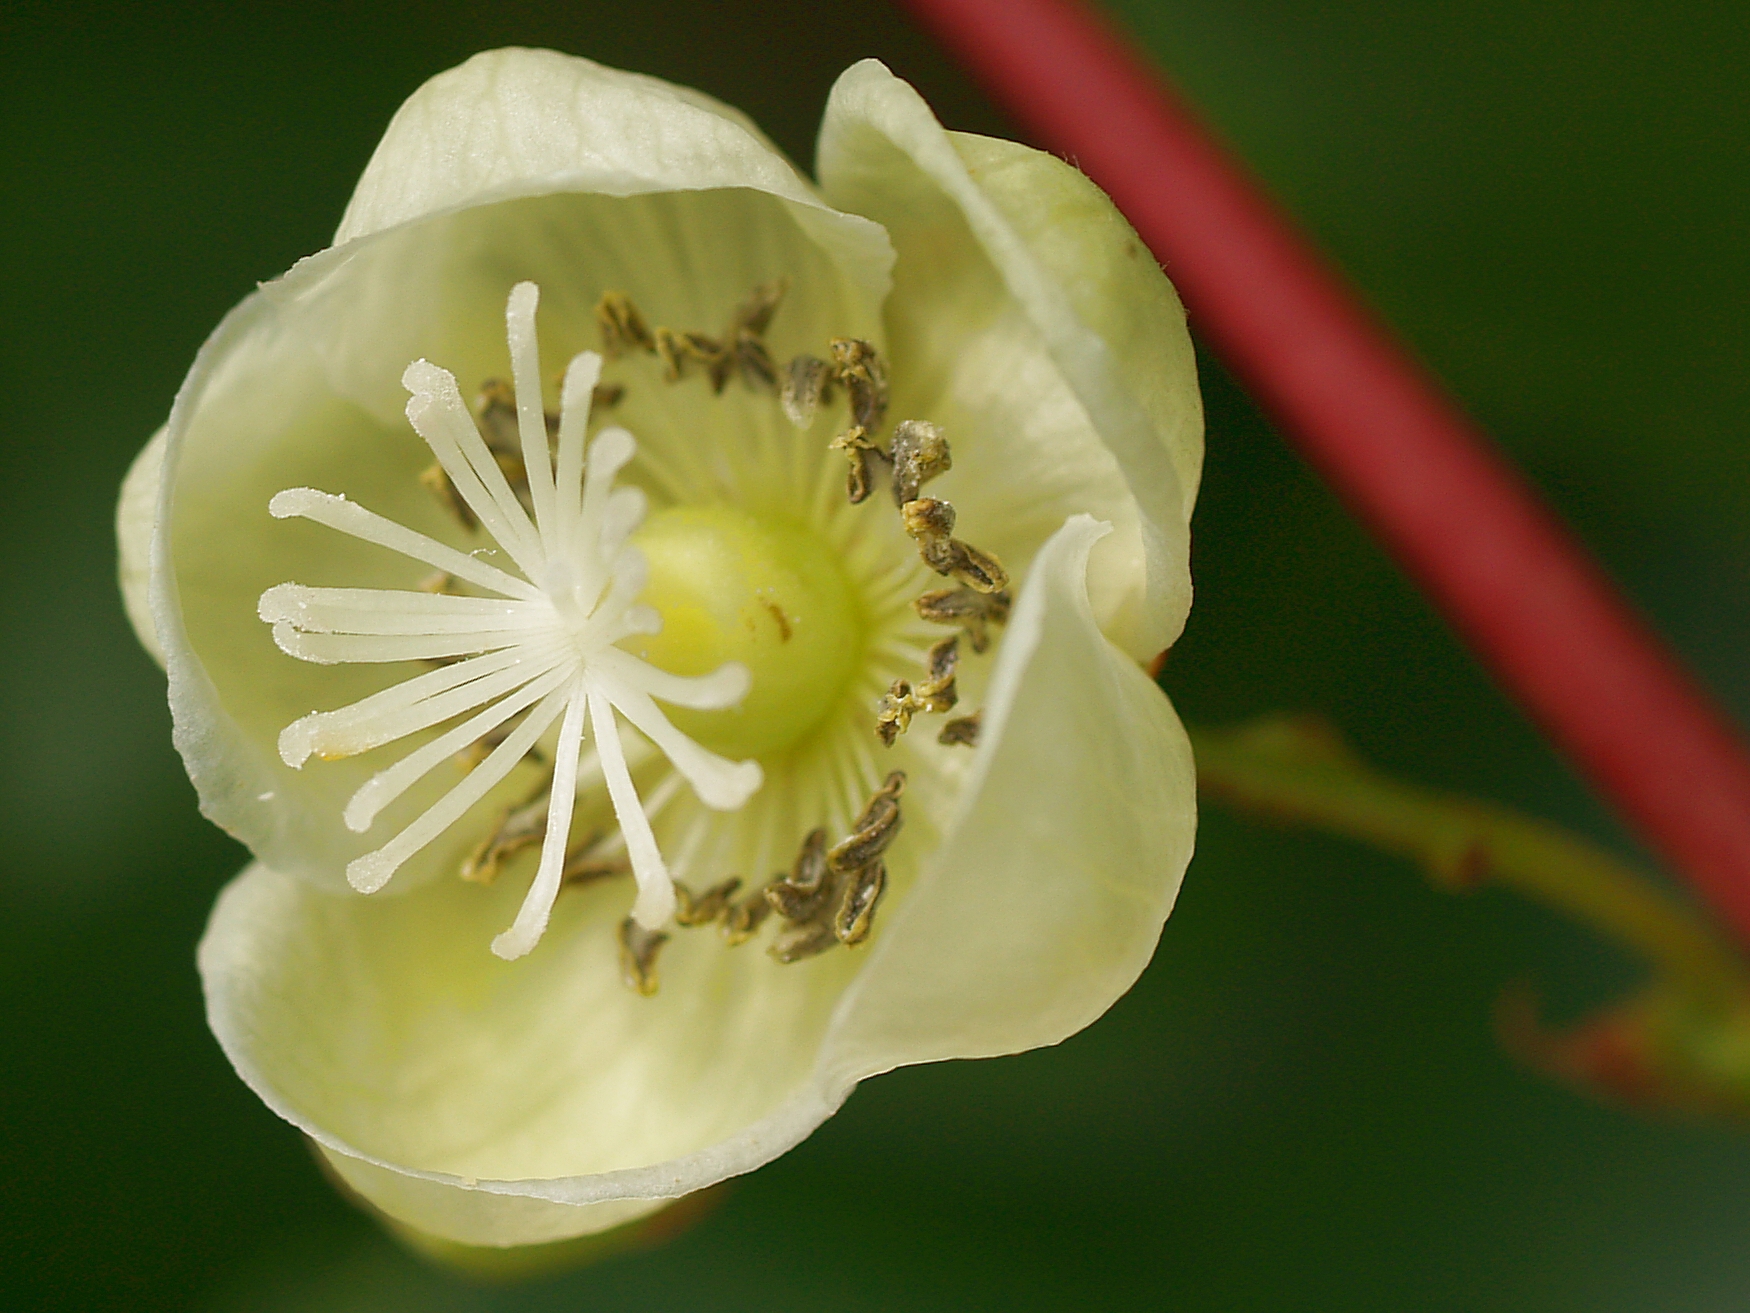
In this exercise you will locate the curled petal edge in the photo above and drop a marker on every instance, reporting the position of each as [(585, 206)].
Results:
[(520, 122), (871, 113)]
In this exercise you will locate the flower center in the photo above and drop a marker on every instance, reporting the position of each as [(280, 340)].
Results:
[(767, 594)]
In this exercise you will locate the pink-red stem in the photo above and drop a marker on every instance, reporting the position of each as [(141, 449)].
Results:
[(1460, 520)]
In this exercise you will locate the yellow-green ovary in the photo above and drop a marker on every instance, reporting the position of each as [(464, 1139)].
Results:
[(765, 592)]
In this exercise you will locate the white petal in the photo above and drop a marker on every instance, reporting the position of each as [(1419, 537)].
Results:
[(135, 514), (509, 1104), (516, 122), (1039, 244), (1045, 900)]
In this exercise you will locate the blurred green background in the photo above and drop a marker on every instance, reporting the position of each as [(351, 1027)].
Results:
[(1301, 1106)]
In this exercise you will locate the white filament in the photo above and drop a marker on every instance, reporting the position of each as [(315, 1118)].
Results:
[(539, 648)]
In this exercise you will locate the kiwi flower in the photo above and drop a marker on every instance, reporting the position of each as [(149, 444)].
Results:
[(671, 634)]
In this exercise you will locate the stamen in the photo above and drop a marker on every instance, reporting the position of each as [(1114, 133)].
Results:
[(807, 386), (936, 693), (830, 896), (930, 522), (708, 906), (875, 829), (973, 611), (638, 949), (962, 731), (856, 911), (919, 453)]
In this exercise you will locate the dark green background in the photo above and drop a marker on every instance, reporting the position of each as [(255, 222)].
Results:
[(1301, 1105)]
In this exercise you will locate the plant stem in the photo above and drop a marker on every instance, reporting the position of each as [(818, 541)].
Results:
[(1299, 770), (1457, 517)]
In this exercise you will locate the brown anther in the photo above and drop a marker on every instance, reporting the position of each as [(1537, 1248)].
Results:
[(580, 868), (807, 384), (937, 692), (680, 351), (864, 456), (477, 751), (796, 942), (744, 919), (495, 411), (894, 712), (441, 583), (942, 660), (517, 828), (435, 481), (754, 315), (806, 890), (605, 396), (638, 949), (857, 365), (856, 909), (961, 731), (754, 363), (708, 906), (623, 328), (919, 453), (973, 611), (875, 829), (930, 522)]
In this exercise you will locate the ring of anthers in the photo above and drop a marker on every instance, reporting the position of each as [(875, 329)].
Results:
[(829, 896)]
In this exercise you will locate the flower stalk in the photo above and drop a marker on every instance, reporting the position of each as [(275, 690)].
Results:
[(1682, 1041)]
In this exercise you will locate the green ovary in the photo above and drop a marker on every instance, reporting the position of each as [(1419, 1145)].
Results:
[(767, 593)]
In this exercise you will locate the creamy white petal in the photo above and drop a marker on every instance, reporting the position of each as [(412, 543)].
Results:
[(1064, 857), (515, 122), (135, 514), (1025, 250), (509, 1104)]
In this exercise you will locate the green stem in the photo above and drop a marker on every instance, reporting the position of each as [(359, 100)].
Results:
[(1299, 770)]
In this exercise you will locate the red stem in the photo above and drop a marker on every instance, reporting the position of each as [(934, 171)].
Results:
[(1458, 518)]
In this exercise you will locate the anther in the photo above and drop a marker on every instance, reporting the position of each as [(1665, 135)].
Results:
[(973, 611), (638, 949), (623, 328), (747, 331), (919, 453), (517, 828), (805, 892), (797, 942), (875, 829), (936, 692), (808, 384), (864, 455), (581, 867), (744, 919), (860, 368), (930, 522), (754, 315), (856, 910), (962, 731), (708, 906)]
